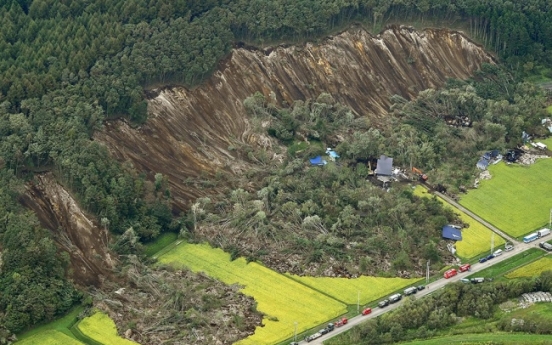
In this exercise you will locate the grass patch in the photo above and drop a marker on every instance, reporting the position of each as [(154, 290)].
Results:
[(476, 238), (61, 325), (517, 199), (50, 337), (510, 264), (366, 289), (282, 300), (161, 242), (533, 269), (487, 338), (101, 329), (547, 142), (549, 109)]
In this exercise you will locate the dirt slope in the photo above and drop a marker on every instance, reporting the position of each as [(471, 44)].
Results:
[(189, 132), (73, 230)]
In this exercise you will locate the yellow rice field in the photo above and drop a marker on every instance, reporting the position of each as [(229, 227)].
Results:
[(365, 289), (284, 301), (533, 269), (476, 239), (50, 337), (99, 327)]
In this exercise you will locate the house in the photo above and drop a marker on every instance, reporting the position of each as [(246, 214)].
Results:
[(318, 161), (384, 166), (490, 157), (452, 232)]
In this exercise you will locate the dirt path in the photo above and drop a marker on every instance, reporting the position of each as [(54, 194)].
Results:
[(476, 217)]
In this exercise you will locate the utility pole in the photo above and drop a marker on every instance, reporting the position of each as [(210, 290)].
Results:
[(492, 242), (427, 272), (358, 301)]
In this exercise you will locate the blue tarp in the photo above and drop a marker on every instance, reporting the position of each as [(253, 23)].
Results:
[(452, 233), (317, 161)]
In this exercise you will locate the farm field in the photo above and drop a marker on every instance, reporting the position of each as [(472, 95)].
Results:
[(516, 199), (476, 239), (284, 301), (57, 330), (533, 269), (510, 264), (49, 337), (101, 329), (366, 289)]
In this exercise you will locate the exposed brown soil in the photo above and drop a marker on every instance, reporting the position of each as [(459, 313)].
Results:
[(190, 132), (73, 230)]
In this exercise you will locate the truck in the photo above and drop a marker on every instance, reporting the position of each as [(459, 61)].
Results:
[(543, 232), (464, 267), (410, 291), (450, 273), (531, 237), (383, 303), (421, 175), (395, 298), (341, 322), (311, 337)]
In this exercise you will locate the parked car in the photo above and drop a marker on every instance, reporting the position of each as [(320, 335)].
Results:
[(395, 298), (490, 256), (465, 280), (498, 252), (294, 343), (420, 287), (508, 247), (477, 280), (366, 311), (482, 260), (383, 303), (546, 246), (464, 268)]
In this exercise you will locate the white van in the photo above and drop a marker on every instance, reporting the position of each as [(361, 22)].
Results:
[(497, 253)]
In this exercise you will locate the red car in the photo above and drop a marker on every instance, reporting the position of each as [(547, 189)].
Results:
[(341, 322), (366, 311), (464, 268), (450, 273)]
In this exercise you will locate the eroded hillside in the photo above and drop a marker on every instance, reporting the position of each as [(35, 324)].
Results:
[(191, 132), (74, 231)]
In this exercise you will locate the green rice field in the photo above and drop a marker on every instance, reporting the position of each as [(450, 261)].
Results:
[(476, 238), (49, 337), (533, 269), (101, 329), (362, 289), (284, 301), (517, 199)]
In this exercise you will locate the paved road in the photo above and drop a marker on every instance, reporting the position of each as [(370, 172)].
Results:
[(518, 248), (476, 217)]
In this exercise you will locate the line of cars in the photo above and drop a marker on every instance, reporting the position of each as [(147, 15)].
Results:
[(330, 327), (397, 297)]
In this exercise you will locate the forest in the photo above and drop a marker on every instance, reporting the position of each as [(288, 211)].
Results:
[(67, 66)]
